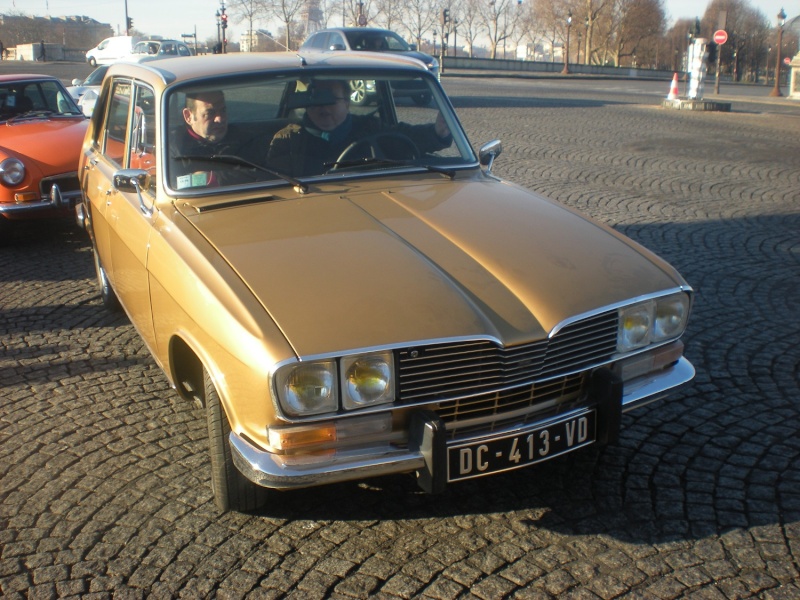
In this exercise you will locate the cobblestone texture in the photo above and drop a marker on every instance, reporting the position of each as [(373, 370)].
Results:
[(104, 487)]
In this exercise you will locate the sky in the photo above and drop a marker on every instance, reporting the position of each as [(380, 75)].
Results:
[(171, 18)]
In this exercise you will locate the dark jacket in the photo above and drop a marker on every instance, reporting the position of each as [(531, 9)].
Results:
[(196, 172), (302, 149)]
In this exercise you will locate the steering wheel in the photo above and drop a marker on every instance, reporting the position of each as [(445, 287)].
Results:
[(385, 145)]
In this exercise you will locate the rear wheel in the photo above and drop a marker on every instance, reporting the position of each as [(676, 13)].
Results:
[(232, 490)]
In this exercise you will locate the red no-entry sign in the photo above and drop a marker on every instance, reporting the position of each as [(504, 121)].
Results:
[(720, 36)]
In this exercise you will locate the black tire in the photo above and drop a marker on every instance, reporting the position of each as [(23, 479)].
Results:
[(107, 294), (92, 62), (232, 490)]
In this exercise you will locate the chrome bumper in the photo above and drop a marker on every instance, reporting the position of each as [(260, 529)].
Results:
[(55, 201), (272, 471)]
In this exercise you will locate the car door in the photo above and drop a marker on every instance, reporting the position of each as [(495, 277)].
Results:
[(128, 144)]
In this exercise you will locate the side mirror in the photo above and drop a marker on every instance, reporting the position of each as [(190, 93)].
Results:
[(77, 81), (413, 47), (489, 152)]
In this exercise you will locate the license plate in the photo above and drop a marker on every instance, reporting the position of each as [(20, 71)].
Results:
[(517, 450)]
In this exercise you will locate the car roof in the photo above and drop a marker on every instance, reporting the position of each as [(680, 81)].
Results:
[(26, 77), (170, 70), (358, 29)]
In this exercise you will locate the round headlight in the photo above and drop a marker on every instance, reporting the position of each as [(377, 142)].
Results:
[(634, 326), (308, 389), (12, 171), (671, 314), (367, 380)]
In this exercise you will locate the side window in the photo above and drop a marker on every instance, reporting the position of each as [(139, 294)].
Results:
[(335, 39), (116, 123), (184, 51), (143, 135)]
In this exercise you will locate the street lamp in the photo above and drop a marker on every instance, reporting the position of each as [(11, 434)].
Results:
[(586, 50), (565, 70), (578, 61), (434, 42), (219, 37), (776, 91)]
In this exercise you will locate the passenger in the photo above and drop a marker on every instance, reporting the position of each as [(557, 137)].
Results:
[(328, 128)]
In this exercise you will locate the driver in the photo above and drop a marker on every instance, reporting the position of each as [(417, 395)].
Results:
[(328, 128), (206, 133)]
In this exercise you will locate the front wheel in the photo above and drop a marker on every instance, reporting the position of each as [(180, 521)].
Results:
[(92, 62), (232, 490), (107, 294)]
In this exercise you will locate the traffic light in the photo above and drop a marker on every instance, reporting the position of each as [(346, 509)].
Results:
[(130, 23), (445, 16), (712, 52), (224, 18)]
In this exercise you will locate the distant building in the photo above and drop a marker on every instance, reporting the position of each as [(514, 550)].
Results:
[(77, 33)]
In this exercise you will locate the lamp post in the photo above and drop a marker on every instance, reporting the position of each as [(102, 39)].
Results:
[(776, 91), (766, 67), (586, 50), (434, 42), (578, 61), (219, 38), (565, 70)]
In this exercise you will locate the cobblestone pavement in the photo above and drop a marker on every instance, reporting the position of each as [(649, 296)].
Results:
[(104, 486)]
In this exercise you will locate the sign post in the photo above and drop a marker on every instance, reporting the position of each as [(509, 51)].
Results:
[(720, 37)]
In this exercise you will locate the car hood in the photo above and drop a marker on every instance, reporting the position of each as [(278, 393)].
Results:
[(33, 140), (425, 58), (437, 259)]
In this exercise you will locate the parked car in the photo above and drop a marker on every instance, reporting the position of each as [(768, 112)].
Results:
[(398, 309), (370, 39), (157, 49), (111, 50), (85, 91), (41, 139)]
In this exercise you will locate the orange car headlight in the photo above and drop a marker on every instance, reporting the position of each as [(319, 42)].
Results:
[(12, 171)]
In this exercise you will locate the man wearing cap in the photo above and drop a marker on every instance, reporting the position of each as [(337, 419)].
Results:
[(328, 127)]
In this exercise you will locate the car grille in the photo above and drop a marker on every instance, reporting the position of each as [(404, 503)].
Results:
[(68, 183), (480, 380)]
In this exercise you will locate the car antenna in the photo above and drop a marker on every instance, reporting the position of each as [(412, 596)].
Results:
[(303, 62)]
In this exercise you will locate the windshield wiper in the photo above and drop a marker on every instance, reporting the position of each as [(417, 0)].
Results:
[(232, 159), (361, 162)]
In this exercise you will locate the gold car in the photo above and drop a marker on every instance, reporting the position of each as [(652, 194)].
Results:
[(348, 290)]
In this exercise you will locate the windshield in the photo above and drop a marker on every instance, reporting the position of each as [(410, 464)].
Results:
[(293, 129), (35, 98), (376, 41), (96, 76)]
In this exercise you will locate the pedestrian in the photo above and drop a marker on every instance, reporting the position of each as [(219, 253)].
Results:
[(2, 50), (42, 55)]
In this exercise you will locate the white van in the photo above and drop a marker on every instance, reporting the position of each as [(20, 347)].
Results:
[(110, 50)]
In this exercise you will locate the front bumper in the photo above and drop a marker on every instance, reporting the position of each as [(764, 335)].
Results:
[(55, 202), (427, 445)]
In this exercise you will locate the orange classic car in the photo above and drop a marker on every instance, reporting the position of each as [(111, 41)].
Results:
[(41, 133), (349, 290)]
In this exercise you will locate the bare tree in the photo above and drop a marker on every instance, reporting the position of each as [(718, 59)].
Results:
[(637, 25)]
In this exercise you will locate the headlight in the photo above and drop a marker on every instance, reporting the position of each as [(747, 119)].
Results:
[(656, 320), (308, 388), (12, 171), (367, 380), (670, 318), (634, 326)]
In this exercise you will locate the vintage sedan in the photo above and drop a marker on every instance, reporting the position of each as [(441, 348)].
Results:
[(41, 135), (361, 295)]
